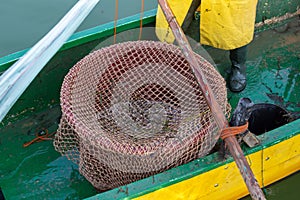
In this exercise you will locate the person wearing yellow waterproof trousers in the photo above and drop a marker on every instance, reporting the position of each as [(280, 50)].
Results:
[(224, 24)]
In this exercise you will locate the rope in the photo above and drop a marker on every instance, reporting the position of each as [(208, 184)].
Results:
[(40, 136), (232, 131), (115, 21), (141, 19), (274, 20)]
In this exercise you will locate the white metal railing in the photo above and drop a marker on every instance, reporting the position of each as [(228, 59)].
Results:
[(17, 78)]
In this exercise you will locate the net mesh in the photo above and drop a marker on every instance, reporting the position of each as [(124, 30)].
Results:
[(134, 109)]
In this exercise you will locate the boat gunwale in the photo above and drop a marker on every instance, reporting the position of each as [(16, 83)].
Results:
[(196, 167), (269, 139), (107, 29), (89, 35)]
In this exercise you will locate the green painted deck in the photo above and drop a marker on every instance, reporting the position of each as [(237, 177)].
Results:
[(39, 172)]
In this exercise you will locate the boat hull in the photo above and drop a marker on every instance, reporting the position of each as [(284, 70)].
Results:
[(215, 178), (273, 68)]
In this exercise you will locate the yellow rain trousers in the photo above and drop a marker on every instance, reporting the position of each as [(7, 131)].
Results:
[(224, 24)]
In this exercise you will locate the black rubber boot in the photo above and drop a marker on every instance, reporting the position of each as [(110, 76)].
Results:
[(237, 78)]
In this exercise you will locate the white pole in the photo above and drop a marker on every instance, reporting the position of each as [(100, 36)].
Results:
[(17, 78)]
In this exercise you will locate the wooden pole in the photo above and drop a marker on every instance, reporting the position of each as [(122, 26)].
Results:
[(17, 78), (231, 142)]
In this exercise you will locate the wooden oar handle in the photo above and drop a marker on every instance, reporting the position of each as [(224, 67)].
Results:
[(231, 142)]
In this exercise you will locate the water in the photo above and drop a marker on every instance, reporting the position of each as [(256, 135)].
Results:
[(285, 189), (24, 22)]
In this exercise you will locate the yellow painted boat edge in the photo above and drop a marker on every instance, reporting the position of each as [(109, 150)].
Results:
[(272, 143), (225, 182)]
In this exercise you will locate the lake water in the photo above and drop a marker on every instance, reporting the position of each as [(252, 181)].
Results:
[(24, 22)]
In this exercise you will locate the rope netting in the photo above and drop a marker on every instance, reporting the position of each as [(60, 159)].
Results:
[(135, 109)]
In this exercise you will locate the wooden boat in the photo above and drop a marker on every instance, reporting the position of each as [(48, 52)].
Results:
[(40, 172)]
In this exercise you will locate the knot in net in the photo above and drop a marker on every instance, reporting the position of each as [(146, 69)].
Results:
[(135, 109)]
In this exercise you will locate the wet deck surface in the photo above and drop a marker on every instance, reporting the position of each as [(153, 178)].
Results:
[(273, 67), (39, 172)]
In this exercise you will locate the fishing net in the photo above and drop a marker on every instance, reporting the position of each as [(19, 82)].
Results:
[(134, 109)]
